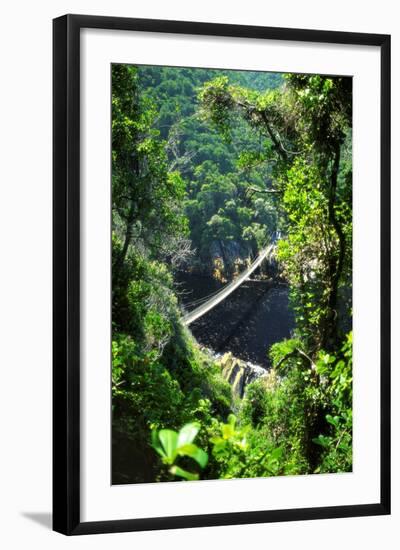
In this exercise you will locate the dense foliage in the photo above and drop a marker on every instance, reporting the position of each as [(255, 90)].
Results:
[(206, 165), (228, 217)]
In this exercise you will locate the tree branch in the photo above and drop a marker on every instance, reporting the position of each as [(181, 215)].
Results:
[(274, 139)]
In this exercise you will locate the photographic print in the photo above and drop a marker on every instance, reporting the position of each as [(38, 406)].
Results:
[(231, 274)]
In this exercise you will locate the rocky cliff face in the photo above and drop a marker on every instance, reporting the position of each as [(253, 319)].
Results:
[(228, 257), (239, 373), (224, 260)]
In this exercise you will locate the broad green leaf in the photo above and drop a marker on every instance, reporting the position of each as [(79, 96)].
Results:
[(191, 450), (169, 440), (219, 446), (227, 431), (322, 440), (155, 442), (334, 420), (177, 471), (232, 420), (187, 433), (277, 453)]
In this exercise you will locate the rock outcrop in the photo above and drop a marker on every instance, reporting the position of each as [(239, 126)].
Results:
[(239, 373)]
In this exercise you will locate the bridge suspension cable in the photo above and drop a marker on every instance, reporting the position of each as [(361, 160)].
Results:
[(203, 299)]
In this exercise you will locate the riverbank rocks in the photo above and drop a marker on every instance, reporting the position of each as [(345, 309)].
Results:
[(239, 373)]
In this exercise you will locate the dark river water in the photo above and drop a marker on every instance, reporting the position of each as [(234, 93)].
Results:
[(247, 322)]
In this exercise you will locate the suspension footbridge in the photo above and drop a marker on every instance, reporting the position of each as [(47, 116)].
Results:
[(220, 295)]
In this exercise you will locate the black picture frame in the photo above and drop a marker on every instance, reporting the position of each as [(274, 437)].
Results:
[(66, 273)]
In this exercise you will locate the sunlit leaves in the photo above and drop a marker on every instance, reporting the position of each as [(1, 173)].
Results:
[(171, 445)]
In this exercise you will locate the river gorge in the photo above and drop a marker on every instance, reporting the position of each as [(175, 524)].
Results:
[(246, 323)]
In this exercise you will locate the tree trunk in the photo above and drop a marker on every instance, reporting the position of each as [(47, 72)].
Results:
[(337, 260), (128, 235)]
